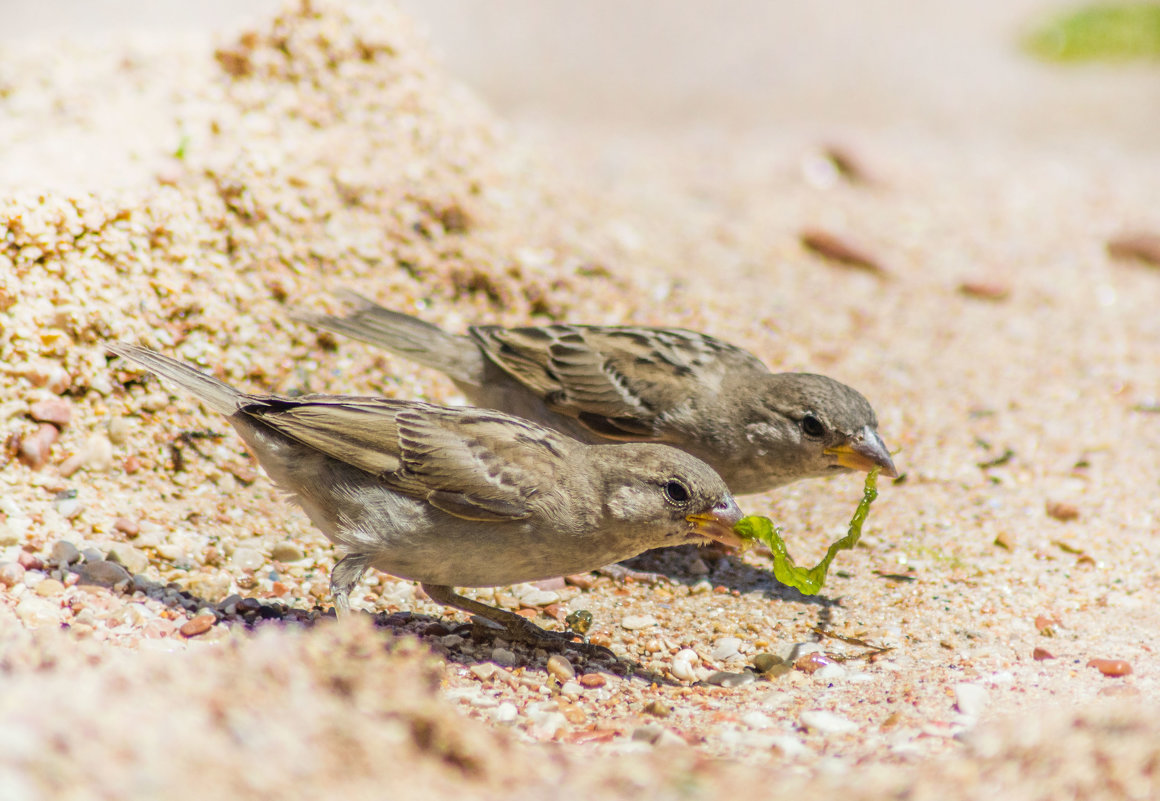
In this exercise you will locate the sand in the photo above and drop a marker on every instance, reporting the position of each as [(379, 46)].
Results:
[(190, 196)]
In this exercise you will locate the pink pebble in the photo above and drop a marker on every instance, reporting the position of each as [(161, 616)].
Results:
[(52, 410)]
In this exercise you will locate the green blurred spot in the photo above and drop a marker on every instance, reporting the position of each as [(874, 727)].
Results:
[(1112, 32), (807, 580)]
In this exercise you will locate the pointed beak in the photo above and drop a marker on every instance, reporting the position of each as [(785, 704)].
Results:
[(864, 452), (717, 523)]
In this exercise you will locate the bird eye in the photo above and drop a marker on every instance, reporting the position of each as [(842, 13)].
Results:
[(812, 427), (676, 492)]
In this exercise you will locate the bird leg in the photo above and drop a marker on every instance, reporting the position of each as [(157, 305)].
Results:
[(343, 578), (515, 628)]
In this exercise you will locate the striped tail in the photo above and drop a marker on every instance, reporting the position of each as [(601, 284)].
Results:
[(217, 395)]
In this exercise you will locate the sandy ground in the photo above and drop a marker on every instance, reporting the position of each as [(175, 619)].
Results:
[(188, 196)]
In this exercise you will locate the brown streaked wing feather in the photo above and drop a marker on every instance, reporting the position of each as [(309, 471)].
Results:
[(362, 432), (617, 381), (480, 465)]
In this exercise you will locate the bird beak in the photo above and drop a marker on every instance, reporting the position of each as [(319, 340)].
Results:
[(865, 451), (717, 523)]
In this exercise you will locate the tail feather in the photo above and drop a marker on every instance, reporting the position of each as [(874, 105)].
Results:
[(456, 356), (219, 396)]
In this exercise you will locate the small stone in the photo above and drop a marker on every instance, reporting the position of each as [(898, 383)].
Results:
[(98, 454), (103, 574), (68, 504), (831, 672), (246, 559), (839, 250), (52, 377), (1040, 654), (36, 447), (483, 671), (29, 561), (701, 587), (35, 612), (971, 699), (985, 290), (154, 401), (506, 712), (131, 464), (825, 722), (118, 430), (812, 662), (133, 560), (637, 622), (648, 733), (767, 662), (539, 598), (1006, 540), (11, 573), (725, 648), (658, 708), (286, 552), (592, 680), (49, 587), (51, 410), (697, 567), (1045, 624), (1113, 668), (1140, 246), (503, 657), (71, 465), (561, 668), (724, 678), (546, 723), (1062, 511), (64, 553), (757, 720), (198, 625), (127, 526)]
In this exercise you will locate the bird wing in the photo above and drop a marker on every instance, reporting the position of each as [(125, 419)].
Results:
[(617, 381), (473, 464)]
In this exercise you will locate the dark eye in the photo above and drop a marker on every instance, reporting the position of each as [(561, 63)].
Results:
[(812, 427), (677, 492)]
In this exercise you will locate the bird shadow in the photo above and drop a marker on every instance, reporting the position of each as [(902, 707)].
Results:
[(724, 570), (462, 643)]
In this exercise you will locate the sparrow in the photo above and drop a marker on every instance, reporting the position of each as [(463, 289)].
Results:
[(463, 496), (758, 429)]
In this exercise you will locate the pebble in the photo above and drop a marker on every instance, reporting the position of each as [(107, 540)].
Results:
[(118, 430), (547, 724), (35, 612), (757, 720), (246, 559), (825, 722), (12, 530), (483, 671), (285, 552), (11, 573), (505, 713), (49, 587), (503, 657), (726, 648), (700, 588), (64, 553), (35, 448), (133, 560), (658, 708), (154, 401), (636, 622), (1062, 510), (103, 574), (1040, 654), (127, 526), (724, 678), (561, 668), (68, 504), (198, 625), (98, 453), (812, 663), (29, 561), (1111, 667), (592, 680), (831, 672), (682, 666), (971, 699), (539, 598), (51, 410), (52, 377), (766, 662)]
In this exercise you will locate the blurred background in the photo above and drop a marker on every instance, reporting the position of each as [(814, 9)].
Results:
[(955, 67)]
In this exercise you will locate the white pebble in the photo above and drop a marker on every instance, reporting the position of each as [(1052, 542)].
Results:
[(547, 724), (756, 720), (971, 699), (833, 672), (505, 713), (35, 612), (825, 722), (483, 671), (635, 622), (98, 453), (247, 559), (725, 648)]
